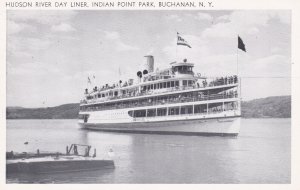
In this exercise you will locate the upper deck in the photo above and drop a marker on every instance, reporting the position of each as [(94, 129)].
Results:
[(178, 78)]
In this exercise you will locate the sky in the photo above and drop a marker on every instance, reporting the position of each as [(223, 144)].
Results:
[(50, 54)]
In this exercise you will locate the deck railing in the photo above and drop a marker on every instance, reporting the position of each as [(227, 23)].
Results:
[(215, 82), (186, 115), (162, 102)]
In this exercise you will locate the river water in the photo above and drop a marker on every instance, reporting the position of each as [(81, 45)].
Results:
[(260, 154)]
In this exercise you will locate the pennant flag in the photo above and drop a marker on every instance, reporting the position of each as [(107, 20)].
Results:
[(181, 41), (89, 80), (241, 44)]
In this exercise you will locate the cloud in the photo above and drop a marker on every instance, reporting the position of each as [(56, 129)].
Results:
[(28, 44), (244, 22), (121, 46), (15, 28), (112, 35), (62, 27), (223, 18), (220, 30), (213, 61), (58, 21), (49, 17), (115, 37), (204, 16), (253, 31), (265, 76), (33, 69), (174, 17), (283, 16), (25, 49), (275, 49), (271, 66)]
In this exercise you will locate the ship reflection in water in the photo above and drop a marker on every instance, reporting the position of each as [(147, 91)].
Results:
[(260, 154)]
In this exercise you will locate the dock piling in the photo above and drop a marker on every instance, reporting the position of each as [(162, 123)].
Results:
[(94, 155)]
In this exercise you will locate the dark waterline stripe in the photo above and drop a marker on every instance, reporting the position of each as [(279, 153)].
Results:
[(165, 132)]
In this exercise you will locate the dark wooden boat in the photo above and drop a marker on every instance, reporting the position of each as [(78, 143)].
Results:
[(55, 162)]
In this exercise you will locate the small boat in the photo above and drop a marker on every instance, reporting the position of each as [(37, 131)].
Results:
[(38, 163)]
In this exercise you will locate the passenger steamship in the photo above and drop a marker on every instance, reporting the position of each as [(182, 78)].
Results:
[(170, 101)]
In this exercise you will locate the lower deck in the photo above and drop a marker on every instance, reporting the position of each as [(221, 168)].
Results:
[(170, 112), (211, 117)]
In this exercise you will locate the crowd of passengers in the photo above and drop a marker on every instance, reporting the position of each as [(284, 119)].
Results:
[(224, 80), (179, 98), (216, 82)]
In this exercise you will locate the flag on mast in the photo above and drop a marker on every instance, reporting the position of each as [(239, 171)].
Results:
[(89, 80), (241, 44), (181, 41)]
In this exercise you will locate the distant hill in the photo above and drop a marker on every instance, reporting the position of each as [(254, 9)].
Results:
[(66, 111), (275, 107)]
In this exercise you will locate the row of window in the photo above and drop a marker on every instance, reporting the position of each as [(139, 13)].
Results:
[(169, 84), (196, 109), (183, 68)]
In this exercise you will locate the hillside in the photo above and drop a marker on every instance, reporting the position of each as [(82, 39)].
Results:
[(276, 107), (66, 111)]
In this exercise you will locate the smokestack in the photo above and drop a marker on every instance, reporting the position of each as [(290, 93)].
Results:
[(149, 64)]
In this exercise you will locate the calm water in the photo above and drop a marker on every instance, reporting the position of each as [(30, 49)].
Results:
[(260, 154)]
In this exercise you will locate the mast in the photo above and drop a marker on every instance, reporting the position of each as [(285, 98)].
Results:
[(239, 90), (176, 47)]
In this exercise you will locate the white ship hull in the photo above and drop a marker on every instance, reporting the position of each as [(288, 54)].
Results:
[(225, 123)]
